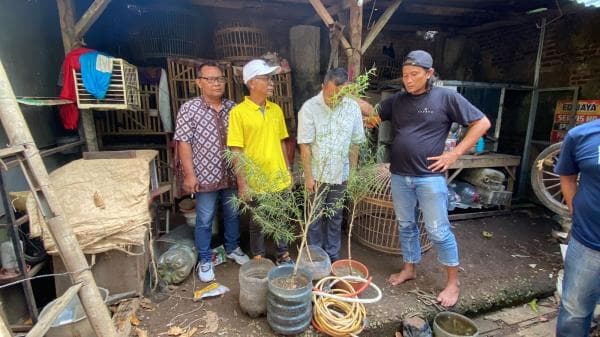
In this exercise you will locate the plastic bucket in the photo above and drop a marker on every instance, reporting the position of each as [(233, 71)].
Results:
[(320, 266), (289, 308), (72, 321), (354, 268), (451, 324), (253, 277)]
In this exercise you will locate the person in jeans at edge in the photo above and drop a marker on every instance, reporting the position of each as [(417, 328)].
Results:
[(257, 130), (329, 136), (200, 132), (421, 117), (580, 155)]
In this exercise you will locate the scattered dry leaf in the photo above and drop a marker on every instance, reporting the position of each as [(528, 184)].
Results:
[(190, 332), (135, 321), (212, 322), (175, 331), (147, 305), (141, 332)]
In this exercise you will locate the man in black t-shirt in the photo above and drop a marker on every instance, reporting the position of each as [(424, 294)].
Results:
[(421, 118)]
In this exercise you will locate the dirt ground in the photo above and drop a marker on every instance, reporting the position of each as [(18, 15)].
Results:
[(520, 262)]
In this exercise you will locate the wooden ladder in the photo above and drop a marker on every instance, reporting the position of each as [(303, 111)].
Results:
[(22, 146)]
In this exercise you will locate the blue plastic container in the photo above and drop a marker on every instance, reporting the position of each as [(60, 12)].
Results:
[(289, 311), (480, 146)]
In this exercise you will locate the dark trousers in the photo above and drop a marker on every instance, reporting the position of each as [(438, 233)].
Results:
[(326, 231), (257, 238)]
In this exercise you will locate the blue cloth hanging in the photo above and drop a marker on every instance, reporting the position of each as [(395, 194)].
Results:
[(96, 71)]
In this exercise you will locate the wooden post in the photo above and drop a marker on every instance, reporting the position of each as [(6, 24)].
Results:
[(18, 133), (383, 20), (356, 18), (66, 13), (326, 17)]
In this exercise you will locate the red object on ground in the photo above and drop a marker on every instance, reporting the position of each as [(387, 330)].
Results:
[(69, 114)]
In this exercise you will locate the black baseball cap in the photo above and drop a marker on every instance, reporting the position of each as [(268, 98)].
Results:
[(419, 58)]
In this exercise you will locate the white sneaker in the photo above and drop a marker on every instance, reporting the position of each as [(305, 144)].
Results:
[(238, 256), (206, 272)]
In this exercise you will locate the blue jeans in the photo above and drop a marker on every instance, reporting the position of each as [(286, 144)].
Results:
[(430, 193), (580, 290), (326, 232), (206, 207)]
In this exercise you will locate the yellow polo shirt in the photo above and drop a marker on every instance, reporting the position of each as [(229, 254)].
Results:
[(260, 136)]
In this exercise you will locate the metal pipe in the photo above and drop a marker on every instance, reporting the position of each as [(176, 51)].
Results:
[(525, 169)]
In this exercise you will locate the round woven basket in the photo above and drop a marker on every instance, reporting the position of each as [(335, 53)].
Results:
[(375, 223), (239, 44)]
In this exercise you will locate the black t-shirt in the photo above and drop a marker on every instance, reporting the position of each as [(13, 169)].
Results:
[(421, 124)]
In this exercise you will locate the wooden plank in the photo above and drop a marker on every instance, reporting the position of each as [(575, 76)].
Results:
[(487, 160), (89, 17), (334, 9), (326, 17), (121, 318), (378, 27), (126, 154), (42, 326), (11, 151)]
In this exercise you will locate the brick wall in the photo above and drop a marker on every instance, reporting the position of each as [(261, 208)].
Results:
[(571, 55)]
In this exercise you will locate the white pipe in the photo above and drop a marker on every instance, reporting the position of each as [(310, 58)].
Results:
[(352, 299)]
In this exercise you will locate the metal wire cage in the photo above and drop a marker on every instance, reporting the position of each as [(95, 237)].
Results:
[(375, 223)]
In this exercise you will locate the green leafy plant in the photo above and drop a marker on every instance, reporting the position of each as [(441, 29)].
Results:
[(286, 215)]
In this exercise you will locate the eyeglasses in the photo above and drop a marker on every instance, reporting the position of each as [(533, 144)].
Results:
[(213, 80), (265, 78)]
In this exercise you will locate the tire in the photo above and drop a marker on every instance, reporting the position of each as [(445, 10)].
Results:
[(545, 183)]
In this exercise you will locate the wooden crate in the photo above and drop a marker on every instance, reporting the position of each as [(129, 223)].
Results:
[(182, 81), (143, 121), (123, 92), (239, 44)]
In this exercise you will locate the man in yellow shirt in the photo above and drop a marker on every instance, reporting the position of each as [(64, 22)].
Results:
[(256, 131)]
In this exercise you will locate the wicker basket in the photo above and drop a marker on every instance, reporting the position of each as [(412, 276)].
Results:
[(239, 44), (123, 91), (375, 223)]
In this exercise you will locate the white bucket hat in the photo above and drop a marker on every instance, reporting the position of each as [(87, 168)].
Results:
[(256, 68)]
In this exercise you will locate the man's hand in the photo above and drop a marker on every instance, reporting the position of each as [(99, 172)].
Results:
[(371, 121), (190, 184), (309, 183), (443, 162)]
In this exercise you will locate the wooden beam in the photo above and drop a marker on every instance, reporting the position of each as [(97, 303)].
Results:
[(89, 17), (66, 15), (356, 21), (383, 20), (445, 10), (42, 326), (333, 10), (326, 17)]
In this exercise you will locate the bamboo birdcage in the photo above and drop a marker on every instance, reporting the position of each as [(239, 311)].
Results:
[(375, 222), (239, 44)]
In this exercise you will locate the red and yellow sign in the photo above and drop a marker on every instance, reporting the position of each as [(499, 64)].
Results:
[(587, 110)]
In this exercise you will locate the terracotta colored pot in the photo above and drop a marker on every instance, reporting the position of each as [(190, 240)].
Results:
[(343, 267)]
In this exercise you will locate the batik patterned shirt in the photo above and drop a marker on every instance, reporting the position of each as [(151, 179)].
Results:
[(206, 130)]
